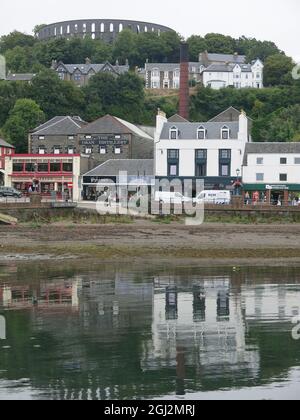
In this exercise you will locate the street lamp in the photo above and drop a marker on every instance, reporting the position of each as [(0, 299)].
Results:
[(238, 184)]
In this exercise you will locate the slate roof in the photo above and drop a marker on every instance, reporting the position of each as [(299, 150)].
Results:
[(177, 118), (226, 58), (109, 124), (231, 113), (171, 66), (20, 77), (227, 68), (188, 131), (133, 167), (270, 148), (60, 125), (97, 68), (4, 143)]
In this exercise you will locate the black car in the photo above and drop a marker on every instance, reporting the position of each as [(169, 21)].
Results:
[(10, 192)]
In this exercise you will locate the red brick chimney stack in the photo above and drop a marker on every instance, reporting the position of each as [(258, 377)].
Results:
[(184, 95)]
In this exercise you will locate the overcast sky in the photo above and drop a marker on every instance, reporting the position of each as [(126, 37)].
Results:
[(276, 20)]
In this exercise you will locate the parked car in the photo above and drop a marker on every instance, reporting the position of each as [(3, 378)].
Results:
[(10, 192), (213, 197), (171, 197)]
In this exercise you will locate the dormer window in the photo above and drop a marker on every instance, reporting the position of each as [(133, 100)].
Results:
[(174, 133), (225, 133), (201, 133)]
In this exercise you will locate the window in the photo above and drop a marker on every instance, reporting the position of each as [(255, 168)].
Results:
[(54, 167), (224, 162), (68, 167), (30, 167), (173, 133), (176, 74), (283, 177), (42, 167), (297, 161), (42, 150), (155, 73), (88, 137), (56, 150), (71, 150), (201, 133), (201, 154), (88, 151), (283, 161), (225, 170), (17, 167), (225, 154), (71, 137), (173, 170), (260, 161), (111, 27), (103, 150), (260, 177), (225, 133), (173, 154), (102, 28), (77, 77), (118, 150), (41, 137)]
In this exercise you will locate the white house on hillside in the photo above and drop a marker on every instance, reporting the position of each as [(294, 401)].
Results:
[(237, 75)]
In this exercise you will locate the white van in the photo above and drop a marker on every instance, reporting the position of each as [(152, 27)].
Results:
[(214, 197), (171, 197)]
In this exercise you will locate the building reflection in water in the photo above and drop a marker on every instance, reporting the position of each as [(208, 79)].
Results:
[(124, 336)]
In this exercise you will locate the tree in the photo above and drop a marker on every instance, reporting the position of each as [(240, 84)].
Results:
[(218, 43), (25, 116), (102, 90), (15, 39), (56, 97), (278, 70), (197, 44), (261, 49), (20, 60), (37, 28), (9, 93), (129, 103), (125, 47), (282, 125)]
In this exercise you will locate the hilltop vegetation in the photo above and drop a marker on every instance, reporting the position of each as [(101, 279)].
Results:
[(23, 106)]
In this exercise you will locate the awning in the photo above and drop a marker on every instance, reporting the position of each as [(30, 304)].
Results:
[(271, 187)]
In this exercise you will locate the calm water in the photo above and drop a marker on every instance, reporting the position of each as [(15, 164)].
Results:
[(119, 333)]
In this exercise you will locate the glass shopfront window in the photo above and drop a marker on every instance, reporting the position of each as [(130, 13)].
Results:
[(42, 167), (18, 167), (30, 167), (67, 167), (55, 167)]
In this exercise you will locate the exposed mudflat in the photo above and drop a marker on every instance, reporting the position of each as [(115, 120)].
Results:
[(209, 243)]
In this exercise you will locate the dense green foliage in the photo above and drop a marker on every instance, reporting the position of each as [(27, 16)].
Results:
[(25, 115), (275, 109)]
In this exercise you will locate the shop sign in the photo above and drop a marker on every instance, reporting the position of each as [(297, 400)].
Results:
[(277, 187), (103, 141)]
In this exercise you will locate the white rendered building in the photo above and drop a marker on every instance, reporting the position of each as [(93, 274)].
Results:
[(237, 75), (212, 151)]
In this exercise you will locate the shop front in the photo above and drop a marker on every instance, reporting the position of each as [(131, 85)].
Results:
[(272, 194), (56, 177)]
